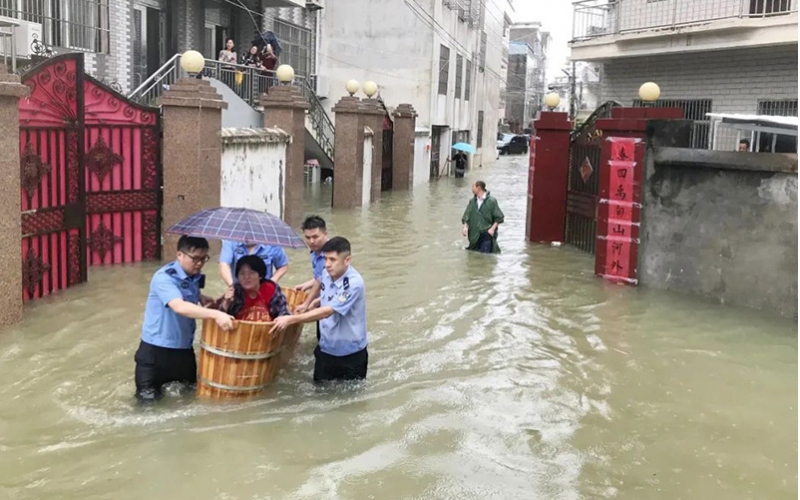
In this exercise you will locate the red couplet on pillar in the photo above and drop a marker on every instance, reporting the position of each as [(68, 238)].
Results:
[(619, 210)]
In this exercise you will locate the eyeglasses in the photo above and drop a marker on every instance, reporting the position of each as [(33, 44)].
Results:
[(198, 260)]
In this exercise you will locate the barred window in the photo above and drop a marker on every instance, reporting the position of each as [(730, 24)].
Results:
[(444, 69), (296, 43), (73, 24), (459, 74), (780, 107), (693, 109), (480, 129)]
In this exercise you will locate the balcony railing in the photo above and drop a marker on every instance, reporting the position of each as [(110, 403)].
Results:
[(596, 18)]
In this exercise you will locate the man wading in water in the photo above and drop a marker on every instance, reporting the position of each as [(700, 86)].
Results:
[(481, 219)]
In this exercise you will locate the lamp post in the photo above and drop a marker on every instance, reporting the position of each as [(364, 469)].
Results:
[(285, 74), (370, 88), (552, 100), (649, 93), (192, 62), (352, 87)]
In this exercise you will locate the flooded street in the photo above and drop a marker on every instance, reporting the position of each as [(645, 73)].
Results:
[(517, 376)]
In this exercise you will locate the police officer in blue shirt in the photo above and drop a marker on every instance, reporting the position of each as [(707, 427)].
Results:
[(315, 232), (165, 353), (342, 350), (274, 257)]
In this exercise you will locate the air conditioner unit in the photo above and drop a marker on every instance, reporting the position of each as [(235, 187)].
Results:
[(313, 5), (28, 39)]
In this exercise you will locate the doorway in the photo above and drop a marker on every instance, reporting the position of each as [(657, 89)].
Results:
[(149, 41)]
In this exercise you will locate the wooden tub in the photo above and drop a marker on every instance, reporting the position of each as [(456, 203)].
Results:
[(241, 362)]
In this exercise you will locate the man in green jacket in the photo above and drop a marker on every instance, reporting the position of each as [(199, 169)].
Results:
[(481, 219)]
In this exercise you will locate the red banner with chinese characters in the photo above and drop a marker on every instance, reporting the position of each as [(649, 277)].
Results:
[(619, 210)]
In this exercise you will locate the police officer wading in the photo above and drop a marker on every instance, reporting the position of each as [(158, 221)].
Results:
[(315, 232), (342, 350), (165, 353)]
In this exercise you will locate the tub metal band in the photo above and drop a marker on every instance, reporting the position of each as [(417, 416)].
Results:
[(231, 387), (236, 355)]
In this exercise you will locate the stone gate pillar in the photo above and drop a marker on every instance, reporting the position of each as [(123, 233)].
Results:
[(285, 108), (192, 153), (547, 178), (405, 122), (348, 162), (10, 230), (374, 119)]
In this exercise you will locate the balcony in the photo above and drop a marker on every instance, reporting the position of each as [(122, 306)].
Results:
[(606, 29)]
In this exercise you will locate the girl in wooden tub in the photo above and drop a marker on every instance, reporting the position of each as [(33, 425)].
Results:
[(253, 298)]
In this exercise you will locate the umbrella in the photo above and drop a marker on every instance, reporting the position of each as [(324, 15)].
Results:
[(238, 224), (463, 146), (265, 38)]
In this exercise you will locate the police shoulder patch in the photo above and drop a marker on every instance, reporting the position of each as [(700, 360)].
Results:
[(344, 296), (346, 283), (322, 286)]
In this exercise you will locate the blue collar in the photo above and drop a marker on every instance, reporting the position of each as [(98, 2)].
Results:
[(181, 274), (339, 283)]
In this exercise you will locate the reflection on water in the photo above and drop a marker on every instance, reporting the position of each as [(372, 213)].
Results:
[(511, 376)]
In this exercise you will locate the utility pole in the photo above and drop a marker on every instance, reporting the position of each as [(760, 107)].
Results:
[(572, 110)]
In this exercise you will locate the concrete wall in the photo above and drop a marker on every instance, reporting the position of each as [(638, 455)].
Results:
[(254, 169), (422, 156), (735, 80), (722, 225), (366, 178)]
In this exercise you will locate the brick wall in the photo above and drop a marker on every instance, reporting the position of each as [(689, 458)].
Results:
[(734, 79)]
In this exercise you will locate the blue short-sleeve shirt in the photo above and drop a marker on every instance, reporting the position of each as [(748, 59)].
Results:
[(345, 331), (162, 326), (274, 257), (317, 264)]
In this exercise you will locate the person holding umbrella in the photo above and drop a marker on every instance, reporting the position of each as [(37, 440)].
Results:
[(460, 158), (165, 351)]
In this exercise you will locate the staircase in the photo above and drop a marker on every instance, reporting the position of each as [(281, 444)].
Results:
[(248, 84)]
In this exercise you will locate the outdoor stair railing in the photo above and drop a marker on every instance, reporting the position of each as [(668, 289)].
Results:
[(248, 83)]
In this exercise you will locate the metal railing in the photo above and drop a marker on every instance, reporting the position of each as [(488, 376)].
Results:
[(73, 24), (248, 83), (596, 18)]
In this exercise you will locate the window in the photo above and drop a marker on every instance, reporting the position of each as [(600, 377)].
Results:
[(468, 81), (781, 107), (693, 109), (73, 24), (295, 44), (444, 69), (480, 129), (459, 74), (764, 7)]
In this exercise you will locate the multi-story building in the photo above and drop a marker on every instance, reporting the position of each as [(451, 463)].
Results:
[(722, 56), (442, 56), (585, 92), (526, 80)]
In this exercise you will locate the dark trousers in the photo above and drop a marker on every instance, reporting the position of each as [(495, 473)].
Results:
[(317, 331), (156, 366), (459, 172), (350, 367), (485, 243)]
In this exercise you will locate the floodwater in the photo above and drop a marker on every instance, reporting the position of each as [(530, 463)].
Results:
[(519, 376)]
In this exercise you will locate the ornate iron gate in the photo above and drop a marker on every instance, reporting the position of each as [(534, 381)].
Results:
[(91, 177), (584, 181)]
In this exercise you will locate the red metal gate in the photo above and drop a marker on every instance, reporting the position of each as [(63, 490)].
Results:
[(91, 177)]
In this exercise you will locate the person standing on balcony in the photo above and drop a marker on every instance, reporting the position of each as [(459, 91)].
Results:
[(228, 56), (269, 61), (253, 60)]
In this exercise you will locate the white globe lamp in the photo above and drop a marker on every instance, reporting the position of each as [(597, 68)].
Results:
[(192, 62)]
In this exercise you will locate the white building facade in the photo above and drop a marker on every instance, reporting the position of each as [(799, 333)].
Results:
[(728, 56), (442, 57)]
